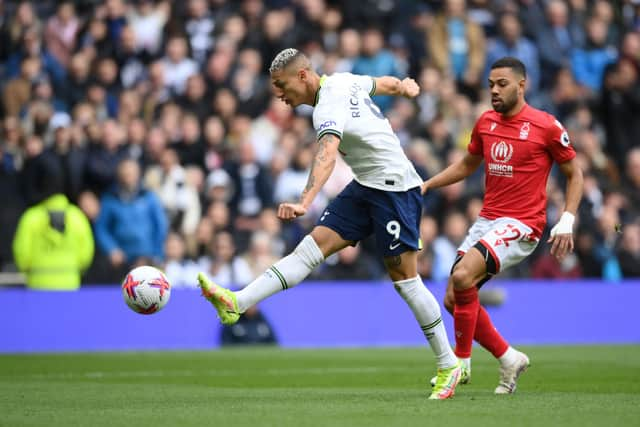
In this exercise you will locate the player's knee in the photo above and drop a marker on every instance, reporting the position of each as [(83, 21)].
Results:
[(461, 278), (309, 252)]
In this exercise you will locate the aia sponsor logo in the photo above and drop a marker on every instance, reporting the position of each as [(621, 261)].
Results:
[(501, 153), (327, 124)]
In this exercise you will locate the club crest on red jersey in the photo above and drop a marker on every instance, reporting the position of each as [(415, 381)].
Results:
[(524, 130)]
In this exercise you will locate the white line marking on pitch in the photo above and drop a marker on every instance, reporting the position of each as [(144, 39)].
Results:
[(211, 373)]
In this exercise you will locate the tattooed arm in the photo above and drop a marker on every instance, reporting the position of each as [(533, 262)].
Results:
[(321, 169)]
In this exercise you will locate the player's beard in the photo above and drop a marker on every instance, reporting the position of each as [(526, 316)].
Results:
[(507, 102)]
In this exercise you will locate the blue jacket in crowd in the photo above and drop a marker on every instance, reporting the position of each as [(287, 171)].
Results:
[(137, 224)]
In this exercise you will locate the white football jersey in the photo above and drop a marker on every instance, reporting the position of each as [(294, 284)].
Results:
[(343, 107)]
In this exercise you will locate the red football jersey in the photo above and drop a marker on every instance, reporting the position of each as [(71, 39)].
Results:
[(518, 154)]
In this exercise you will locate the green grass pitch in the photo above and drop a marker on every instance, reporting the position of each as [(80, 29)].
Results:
[(565, 386)]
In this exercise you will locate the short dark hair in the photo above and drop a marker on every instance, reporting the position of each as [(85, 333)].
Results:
[(510, 62)]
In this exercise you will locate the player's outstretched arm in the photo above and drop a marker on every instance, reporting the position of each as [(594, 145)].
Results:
[(389, 85), (562, 233), (321, 169), (453, 173)]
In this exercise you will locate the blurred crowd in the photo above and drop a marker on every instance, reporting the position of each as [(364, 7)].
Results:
[(155, 117)]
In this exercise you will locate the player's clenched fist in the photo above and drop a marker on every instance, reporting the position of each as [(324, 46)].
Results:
[(291, 210), (410, 88)]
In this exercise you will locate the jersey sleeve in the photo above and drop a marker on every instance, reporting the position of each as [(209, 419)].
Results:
[(475, 143), (558, 143), (367, 83), (330, 114)]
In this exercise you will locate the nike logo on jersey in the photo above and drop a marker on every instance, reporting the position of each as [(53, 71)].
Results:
[(493, 126), (392, 246)]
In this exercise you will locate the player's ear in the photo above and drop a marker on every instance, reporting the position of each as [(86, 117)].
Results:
[(302, 74)]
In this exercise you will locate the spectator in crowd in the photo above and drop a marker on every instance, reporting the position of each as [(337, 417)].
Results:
[(132, 223), (457, 46), (253, 188), (620, 108), (253, 328), (632, 180), (101, 270), (590, 265), (215, 144), (147, 19), (189, 146), (562, 32), (603, 10), (203, 239), (73, 91), (194, 100), (607, 240), (116, 19), (179, 269), (223, 265), (53, 244), (17, 91), (511, 42), (629, 252), (199, 26), (130, 61), (31, 47), (178, 67), (445, 246), (178, 196), (630, 48), (103, 157), (261, 253), (428, 234), (375, 60), (23, 20), (61, 32), (10, 188), (549, 267), (71, 157), (588, 63), (32, 170), (349, 46), (350, 264), (218, 213)]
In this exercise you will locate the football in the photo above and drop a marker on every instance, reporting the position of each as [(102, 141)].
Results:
[(146, 290)]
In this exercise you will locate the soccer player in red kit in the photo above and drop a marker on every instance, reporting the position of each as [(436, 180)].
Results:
[(518, 144)]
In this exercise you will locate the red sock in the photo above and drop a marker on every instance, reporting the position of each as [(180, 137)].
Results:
[(488, 336), (465, 316)]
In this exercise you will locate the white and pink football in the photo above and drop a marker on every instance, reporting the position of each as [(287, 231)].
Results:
[(146, 290)]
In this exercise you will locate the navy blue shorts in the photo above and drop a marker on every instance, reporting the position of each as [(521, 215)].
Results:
[(394, 217)]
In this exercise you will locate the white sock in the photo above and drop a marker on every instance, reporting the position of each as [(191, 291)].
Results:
[(466, 362), (426, 310), (509, 357), (284, 274)]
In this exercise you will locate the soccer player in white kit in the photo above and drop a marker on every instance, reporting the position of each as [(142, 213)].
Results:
[(383, 199)]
